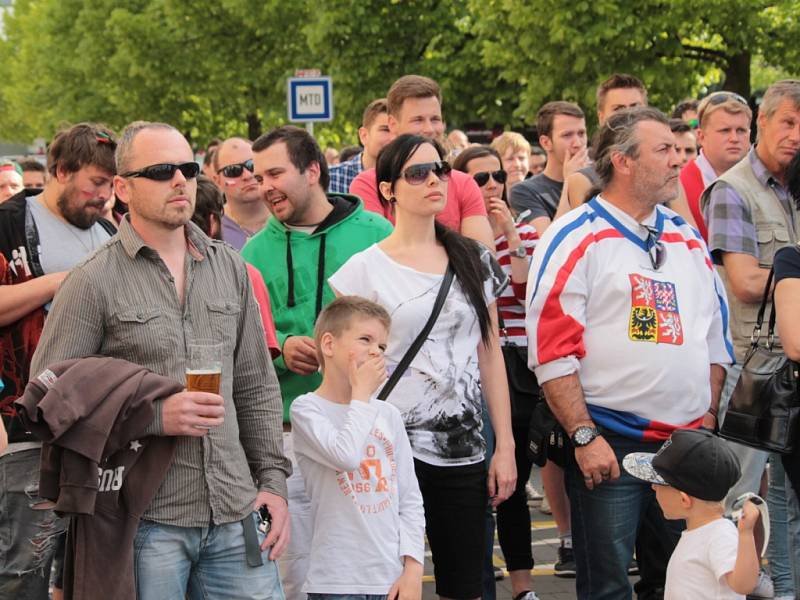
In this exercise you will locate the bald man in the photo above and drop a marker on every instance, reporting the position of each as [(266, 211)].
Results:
[(246, 212)]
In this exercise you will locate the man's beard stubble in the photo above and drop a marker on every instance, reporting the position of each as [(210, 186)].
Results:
[(78, 215)]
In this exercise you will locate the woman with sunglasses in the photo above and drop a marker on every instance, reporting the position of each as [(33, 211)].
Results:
[(440, 394), (514, 244)]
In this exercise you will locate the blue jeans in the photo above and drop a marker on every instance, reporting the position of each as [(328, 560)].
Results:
[(27, 537), (793, 522), (346, 597), (780, 565), (605, 522), (173, 563)]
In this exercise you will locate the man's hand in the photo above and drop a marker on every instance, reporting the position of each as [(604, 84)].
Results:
[(710, 421), (192, 413), (502, 477), (300, 354), (367, 378), (409, 585), (278, 536), (576, 162), (597, 462)]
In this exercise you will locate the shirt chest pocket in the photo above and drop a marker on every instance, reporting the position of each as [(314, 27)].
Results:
[(140, 331), (771, 238), (223, 316)]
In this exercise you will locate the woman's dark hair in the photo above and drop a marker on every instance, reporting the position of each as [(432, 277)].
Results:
[(463, 253), (461, 163)]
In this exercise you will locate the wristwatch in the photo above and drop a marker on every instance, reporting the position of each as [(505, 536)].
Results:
[(583, 436), (519, 252)]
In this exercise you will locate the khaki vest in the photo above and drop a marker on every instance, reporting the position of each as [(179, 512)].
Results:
[(774, 230)]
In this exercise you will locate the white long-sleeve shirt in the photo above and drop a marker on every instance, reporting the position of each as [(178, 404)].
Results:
[(641, 339), (365, 500)]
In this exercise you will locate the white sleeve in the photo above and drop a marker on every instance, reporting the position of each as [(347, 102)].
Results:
[(722, 550), (720, 347), (556, 298), (350, 278), (412, 513), (318, 439)]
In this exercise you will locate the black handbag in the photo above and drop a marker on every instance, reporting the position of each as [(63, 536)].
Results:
[(764, 409), (523, 389)]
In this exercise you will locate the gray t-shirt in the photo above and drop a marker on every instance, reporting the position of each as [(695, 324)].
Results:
[(539, 195), (61, 245)]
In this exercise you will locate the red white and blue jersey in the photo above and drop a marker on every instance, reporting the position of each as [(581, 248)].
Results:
[(641, 339)]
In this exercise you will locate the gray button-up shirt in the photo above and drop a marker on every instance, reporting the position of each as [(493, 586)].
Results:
[(122, 302)]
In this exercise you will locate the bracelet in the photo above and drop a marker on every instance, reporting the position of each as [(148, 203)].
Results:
[(713, 412)]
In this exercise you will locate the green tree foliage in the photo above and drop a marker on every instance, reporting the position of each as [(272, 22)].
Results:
[(218, 67), (554, 49)]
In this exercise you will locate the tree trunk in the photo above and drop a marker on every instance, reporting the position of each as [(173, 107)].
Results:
[(254, 126), (737, 74)]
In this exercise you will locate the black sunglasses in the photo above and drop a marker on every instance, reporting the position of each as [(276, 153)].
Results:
[(482, 177), (655, 249), (236, 170), (166, 171), (418, 174), (720, 97)]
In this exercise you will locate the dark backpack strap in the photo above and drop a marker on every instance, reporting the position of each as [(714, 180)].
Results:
[(412, 351)]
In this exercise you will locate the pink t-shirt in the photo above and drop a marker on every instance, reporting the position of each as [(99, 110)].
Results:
[(262, 297), (464, 198)]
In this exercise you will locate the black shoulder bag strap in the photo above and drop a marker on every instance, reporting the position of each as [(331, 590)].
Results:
[(761, 310), (423, 335)]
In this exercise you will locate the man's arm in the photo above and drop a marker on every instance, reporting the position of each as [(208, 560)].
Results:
[(746, 277), (257, 397), (19, 299), (478, 228)]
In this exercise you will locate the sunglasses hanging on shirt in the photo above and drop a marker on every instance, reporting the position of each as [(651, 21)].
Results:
[(655, 248)]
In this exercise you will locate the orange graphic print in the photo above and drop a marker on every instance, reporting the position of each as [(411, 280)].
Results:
[(371, 485)]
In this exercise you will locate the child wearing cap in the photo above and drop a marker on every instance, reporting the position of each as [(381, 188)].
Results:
[(691, 475)]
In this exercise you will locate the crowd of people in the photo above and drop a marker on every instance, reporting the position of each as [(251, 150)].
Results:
[(395, 329)]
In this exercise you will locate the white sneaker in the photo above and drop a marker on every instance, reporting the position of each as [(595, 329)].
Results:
[(764, 589), (534, 496), (527, 596), (544, 507)]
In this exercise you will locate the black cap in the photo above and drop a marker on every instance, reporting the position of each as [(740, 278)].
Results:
[(694, 461)]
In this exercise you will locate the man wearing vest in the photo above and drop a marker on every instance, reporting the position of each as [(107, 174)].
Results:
[(750, 215), (724, 136)]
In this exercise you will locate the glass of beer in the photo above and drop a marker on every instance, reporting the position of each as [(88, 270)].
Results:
[(204, 366)]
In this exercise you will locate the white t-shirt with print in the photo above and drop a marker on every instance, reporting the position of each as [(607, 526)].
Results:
[(700, 562), (366, 505), (439, 395)]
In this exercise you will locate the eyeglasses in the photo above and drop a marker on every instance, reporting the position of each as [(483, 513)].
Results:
[(236, 170), (418, 174), (482, 178), (166, 171), (655, 249)]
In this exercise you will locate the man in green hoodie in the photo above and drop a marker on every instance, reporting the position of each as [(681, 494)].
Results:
[(310, 235)]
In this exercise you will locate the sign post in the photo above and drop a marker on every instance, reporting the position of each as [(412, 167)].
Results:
[(310, 99)]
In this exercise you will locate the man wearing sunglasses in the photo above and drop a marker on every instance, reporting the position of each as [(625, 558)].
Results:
[(724, 138), (751, 214), (415, 106), (245, 210), (161, 285), (626, 326), (42, 237)]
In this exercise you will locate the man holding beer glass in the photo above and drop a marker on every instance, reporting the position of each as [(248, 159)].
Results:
[(163, 295)]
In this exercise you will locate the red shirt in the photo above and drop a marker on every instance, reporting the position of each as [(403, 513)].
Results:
[(262, 298), (464, 198)]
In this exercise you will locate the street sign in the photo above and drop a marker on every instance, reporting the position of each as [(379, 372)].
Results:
[(310, 99)]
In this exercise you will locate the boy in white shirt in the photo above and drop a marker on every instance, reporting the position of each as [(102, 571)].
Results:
[(691, 475), (355, 457)]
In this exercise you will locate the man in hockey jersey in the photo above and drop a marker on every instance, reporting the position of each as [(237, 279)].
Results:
[(627, 327)]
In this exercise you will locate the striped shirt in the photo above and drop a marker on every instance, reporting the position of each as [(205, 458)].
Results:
[(511, 303), (121, 302)]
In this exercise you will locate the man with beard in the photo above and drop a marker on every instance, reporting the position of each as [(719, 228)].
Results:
[(627, 327), (245, 210), (42, 237), (160, 285), (310, 235)]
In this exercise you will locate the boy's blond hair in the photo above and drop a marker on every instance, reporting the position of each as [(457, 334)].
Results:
[(339, 314)]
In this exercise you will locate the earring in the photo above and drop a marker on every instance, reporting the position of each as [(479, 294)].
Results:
[(392, 199)]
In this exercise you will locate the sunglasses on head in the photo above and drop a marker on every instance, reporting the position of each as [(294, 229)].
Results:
[(166, 171), (418, 174), (720, 97), (236, 170), (482, 177)]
